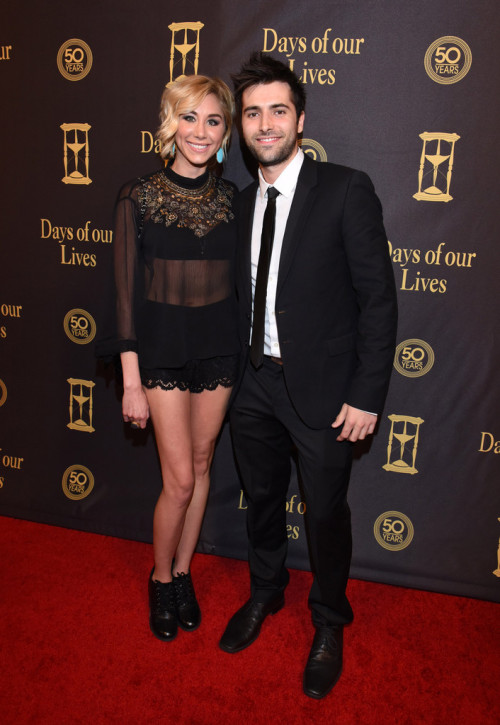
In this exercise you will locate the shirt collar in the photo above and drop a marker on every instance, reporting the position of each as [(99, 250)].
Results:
[(287, 180)]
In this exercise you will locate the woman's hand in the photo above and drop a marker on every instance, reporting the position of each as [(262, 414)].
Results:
[(135, 408)]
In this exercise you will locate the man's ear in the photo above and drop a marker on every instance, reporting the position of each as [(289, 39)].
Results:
[(300, 122)]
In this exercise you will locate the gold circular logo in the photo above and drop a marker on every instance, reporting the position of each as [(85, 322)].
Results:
[(313, 149), (77, 482), (393, 530), (74, 59), (413, 358), (79, 326), (448, 60), (3, 393)]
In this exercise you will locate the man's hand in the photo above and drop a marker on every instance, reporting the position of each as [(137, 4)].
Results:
[(357, 424)]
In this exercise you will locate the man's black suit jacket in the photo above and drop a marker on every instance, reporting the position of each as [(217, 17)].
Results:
[(336, 307)]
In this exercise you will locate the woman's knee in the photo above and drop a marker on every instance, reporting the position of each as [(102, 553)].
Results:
[(179, 486), (202, 458)]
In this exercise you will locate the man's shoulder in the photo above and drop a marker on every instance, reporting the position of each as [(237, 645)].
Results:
[(312, 172), (325, 175), (332, 168), (329, 169)]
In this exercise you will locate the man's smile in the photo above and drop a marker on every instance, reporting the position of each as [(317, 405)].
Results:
[(268, 139)]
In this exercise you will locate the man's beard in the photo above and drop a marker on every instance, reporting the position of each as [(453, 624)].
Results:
[(282, 154)]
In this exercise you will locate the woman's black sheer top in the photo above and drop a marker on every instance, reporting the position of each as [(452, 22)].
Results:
[(175, 244)]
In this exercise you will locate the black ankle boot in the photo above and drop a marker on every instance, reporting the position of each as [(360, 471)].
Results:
[(188, 610), (162, 611)]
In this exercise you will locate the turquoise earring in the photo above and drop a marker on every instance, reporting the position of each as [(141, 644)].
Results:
[(220, 155), (172, 150)]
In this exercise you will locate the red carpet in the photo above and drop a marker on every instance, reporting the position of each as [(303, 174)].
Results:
[(76, 646)]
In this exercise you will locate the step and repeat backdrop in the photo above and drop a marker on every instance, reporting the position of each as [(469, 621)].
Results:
[(408, 92)]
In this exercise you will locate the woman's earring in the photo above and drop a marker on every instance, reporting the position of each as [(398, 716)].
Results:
[(220, 155), (172, 150)]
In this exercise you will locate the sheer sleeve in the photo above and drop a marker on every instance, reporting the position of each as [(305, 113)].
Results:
[(126, 242)]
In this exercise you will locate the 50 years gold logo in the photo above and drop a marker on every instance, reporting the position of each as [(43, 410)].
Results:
[(77, 482), (393, 530), (496, 572), (3, 393), (74, 59), (313, 149), (413, 358), (79, 326), (448, 60)]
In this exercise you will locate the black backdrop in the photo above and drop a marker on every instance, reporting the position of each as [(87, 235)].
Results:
[(406, 92)]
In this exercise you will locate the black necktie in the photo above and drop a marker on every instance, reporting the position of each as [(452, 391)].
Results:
[(259, 302)]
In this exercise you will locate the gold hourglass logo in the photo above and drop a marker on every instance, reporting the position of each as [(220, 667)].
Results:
[(403, 444), (182, 45), (80, 405), (437, 148), (76, 168)]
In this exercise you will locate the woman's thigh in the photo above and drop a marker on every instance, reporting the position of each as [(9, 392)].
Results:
[(171, 417), (208, 410)]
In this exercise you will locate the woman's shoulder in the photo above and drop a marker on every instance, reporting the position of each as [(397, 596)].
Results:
[(132, 188)]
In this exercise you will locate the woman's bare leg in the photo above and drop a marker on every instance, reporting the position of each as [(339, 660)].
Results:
[(171, 416), (207, 414), (186, 427)]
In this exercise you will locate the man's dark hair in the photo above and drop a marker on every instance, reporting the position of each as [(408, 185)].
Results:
[(262, 68)]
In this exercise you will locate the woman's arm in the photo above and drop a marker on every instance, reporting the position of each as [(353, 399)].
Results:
[(135, 408)]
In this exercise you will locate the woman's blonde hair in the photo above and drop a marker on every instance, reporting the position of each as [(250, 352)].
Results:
[(186, 94)]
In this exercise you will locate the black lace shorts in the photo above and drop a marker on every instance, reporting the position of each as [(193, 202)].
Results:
[(195, 376)]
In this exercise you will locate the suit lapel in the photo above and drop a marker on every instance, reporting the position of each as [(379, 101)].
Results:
[(302, 201)]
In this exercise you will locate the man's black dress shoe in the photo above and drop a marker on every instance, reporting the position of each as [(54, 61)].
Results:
[(324, 665), (188, 610), (162, 611), (244, 626)]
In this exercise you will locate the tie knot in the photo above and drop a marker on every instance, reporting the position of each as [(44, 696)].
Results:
[(272, 193)]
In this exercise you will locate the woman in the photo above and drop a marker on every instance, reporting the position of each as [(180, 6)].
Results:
[(175, 239)]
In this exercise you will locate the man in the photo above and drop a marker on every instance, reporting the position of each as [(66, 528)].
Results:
[(319, 324)]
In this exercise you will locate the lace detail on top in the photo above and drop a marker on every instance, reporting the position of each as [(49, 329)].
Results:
[(199, 209), (175, 297)]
